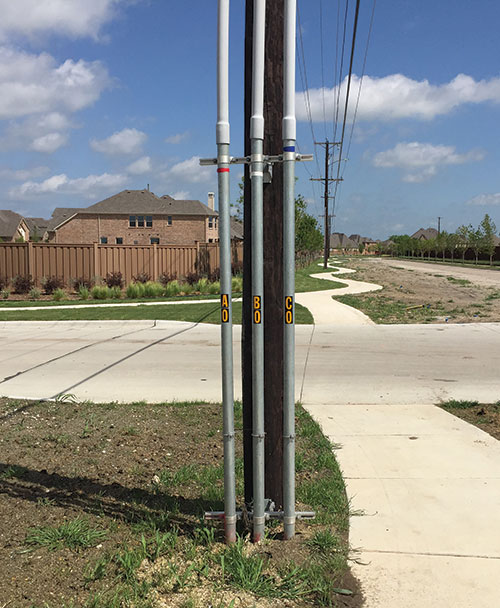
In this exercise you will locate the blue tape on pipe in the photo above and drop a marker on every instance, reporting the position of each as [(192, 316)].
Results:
[(289, 149)]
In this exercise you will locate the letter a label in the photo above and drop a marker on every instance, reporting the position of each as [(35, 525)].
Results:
[(225, 300)]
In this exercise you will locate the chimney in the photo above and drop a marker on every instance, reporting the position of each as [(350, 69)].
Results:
[(211, 200)]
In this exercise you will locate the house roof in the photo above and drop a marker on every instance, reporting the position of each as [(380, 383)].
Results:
[(425, 234), (36, 224), (146, 202), (60, 215), (338, 240), (236, 229), (9, 221)]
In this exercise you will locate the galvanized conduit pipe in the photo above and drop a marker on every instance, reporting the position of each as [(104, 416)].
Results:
[(289, 139), (223, 161), (256, 177)]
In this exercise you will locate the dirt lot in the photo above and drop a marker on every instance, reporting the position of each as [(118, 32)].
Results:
[(416, 296), (100, 507), (485, 416)]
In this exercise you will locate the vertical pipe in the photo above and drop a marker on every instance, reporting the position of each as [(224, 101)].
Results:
[(256, 177), (222, 134), (289, 137)]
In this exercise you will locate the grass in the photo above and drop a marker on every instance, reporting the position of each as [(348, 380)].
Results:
[(462, 282), (172, 555), (485, 416), (191, 313), (484, 264), (304, 282), (384, 310), (74, 534)]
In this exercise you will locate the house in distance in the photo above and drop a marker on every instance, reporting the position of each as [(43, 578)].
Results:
[(136, 217)]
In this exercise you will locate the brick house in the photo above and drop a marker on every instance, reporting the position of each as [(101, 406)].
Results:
[(136, 217)]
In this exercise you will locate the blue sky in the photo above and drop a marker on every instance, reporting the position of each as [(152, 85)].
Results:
[(102, 95)]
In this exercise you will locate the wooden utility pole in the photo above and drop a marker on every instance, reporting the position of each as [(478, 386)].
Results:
[(246, 322), (273, 255), (327, 180), (273, 260)]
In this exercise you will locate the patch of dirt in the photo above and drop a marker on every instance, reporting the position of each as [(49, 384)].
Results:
[(485, 416), (62, 461), (427, 296)]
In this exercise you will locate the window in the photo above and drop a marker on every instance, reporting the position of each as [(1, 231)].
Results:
[(210, 240), (104, 240), (169, 220), (149, 221), (140, 221), (154, 240), (119, 240), (131, 221), (210, 222)]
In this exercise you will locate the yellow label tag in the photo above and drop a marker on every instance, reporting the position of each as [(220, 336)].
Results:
[(224, 313), (257, 311), (289, 310)]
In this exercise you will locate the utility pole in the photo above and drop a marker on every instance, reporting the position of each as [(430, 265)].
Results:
[(327, 180), (439, 225)]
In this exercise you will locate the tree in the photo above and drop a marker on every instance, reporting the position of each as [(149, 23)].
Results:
[(475, 240), (452, 243), (487, 229), (308, 237), (462, 233), (441, 242), (361, 248)]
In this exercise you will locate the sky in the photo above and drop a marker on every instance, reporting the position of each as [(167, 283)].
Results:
[(104, 95)]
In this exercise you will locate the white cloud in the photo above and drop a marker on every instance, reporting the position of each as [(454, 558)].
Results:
[(49, 143), (176, 139), (74, 18), (89, 186), (397, 96), (190, 171), (33, 84), (181, 195), (23, 174), (140, 166), (127, 141), (420, 161), (485, 200)]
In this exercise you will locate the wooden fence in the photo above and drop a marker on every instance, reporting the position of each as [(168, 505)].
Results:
[(94, 260)]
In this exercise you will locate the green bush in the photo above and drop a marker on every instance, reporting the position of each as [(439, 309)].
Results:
[(100, 292), (35, 294), (133, 291), (172, 289), (153, 290), (5, 293), (237, 284), (214, 287), (115, 292), (58, 294), (83, 292), (202, 285), (186, 288)]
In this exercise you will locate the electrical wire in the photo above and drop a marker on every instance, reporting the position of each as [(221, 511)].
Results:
[(338, 83), (322, 64)]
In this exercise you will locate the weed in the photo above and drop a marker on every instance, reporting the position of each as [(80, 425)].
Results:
[(45, 502), (324, 542), (172, 288), (458, 404), (66, 398), (214, 288), (50, 284), (4, 294), (153, 290), (82, 282), (35, 293), (462, 282), (202, 285), (74, 534), (83, 292), (96, 572), (100, 292), (12, 471)]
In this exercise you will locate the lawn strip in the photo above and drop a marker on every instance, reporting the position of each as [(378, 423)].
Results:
[(191, 313), (100, 507), (486, 416)]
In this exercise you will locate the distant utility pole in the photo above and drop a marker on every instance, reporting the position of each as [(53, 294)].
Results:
[(327, 180), (439, 225)]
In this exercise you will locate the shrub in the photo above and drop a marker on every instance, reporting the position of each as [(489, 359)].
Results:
[(50, 284), (201, 286), (5, 293), (35, 293), (82, 282), (115, 292), (172, 289), (22, 284), (214, 287), (192, 278), (58, 294), (237, 284), (142, 277), (167, 277), (214, 275), (114, 279), (100, 292), (153, 290), (186, 288), (83, 292), (4, 283), (132, 291), (237, 268)]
